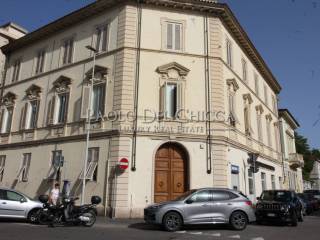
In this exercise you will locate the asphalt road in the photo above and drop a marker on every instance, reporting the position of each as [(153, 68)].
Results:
[(137, 230)]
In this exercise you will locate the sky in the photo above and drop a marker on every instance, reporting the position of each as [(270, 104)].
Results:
[(285, 32)]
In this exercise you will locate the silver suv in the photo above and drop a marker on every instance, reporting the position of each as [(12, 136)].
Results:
[(203, 206), (14, 204)]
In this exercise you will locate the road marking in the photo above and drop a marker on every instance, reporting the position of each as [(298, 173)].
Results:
[(181, 231), (215, 234), (257, 238), (196, 233), (235, 236)]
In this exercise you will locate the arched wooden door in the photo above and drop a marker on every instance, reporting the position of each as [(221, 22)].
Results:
[(171, 172)]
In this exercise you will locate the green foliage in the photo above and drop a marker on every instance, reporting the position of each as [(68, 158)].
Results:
[(309, 155)]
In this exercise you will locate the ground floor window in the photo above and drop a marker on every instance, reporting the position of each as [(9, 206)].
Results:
[(250, 179), (273, 182), (263, 181)]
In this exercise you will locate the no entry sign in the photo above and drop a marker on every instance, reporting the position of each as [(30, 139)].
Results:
[(123, 163)]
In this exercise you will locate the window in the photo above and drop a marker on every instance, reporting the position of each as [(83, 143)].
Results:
[(29, 116), (16, 70), (244, 70), (229, 52), (276, 135), (202, 196), (259, 125), (97, 107), (280, 182), (250, 179), (263, 181), (40, 61), (62, 108), (222, 195), (102, 38), (268, 123), (274, 103), (266, 99), (273, 182), (92, 167), (171, 99), (2, 165), (25, 167), (233, 117), (6, 119), (256, 84), (57, 161), (247, 121), (13, 196), (174, 36), (68, 46)]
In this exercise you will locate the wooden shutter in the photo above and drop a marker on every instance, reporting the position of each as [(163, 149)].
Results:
[(51, 109), (1, 118), (85, 101), (65, 115), (105, 38), (162, 100), (98, 41), (37, 114), (70, 55), (177, 39), (169, 36), (24, 112)]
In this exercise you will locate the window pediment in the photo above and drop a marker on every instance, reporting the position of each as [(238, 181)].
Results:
[(33, 92), (233, 83), (9, 99), (173, 70), (100, 74), (62, 84)]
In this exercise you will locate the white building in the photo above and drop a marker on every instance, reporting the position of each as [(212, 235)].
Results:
[(315, 175)]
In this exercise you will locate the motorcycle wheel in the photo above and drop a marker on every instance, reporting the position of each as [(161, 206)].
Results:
[(92, 216)]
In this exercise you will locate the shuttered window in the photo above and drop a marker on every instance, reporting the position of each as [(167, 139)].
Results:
[(259, 125), (233, 119), (2, 166), (102, 38), (25, 167), (6, 119), (29, 115), (40, 61), (16, 70), (256, 84), (229, 52), (97, 102), (250, 179), (62, 107), (263, 181), (244, 70), (174, 36), (92, 165), (268, 123), (273, 182), (68, 46), (56, 163)]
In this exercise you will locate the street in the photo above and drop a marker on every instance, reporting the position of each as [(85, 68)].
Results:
[(137, 229)]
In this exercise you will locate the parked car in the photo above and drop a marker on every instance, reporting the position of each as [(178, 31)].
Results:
[(279, 205), (202, 206), (308, 204), (14, 204), (315, 195), (314, 201)]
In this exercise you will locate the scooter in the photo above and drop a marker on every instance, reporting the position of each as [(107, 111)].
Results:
[(67, 212)]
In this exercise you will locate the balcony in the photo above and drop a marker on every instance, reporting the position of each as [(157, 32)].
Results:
[(296, 160)]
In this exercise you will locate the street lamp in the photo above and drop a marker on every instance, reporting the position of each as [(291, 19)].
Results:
[(88, 120)]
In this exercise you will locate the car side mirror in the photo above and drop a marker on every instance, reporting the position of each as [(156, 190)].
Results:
[(22, 200), (189, 201), (258, 198)]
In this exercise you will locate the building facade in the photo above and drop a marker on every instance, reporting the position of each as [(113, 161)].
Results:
[(179, 90), (315, 176), (293, 161)]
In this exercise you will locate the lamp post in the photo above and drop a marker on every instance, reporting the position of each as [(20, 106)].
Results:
[(88, 120)]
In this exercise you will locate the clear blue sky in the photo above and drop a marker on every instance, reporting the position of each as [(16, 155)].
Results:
[(286, 33)]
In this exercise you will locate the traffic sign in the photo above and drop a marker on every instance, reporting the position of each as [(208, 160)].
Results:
[(123, 163)]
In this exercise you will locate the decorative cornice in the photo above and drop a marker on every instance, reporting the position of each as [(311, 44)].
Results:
[(100, 74), (233, 82), (247, 97), (9, 99), (62, 83), (33, 92)]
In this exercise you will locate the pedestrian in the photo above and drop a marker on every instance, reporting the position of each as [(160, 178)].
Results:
[(54, 194)]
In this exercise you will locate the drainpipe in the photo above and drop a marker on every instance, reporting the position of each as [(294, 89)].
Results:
[(282, 149), (136, 94), (207, 95)]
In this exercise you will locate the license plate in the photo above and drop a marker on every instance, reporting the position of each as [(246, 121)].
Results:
[(271, 214)]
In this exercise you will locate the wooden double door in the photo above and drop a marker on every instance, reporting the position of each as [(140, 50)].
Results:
[(171, 173)]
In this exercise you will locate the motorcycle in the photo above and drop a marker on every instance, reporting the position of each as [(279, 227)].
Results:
[(67, 212)]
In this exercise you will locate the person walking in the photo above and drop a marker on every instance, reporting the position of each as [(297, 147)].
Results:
[(54, 194)]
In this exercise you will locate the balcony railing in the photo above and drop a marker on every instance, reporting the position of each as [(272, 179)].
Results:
[(296, 160)]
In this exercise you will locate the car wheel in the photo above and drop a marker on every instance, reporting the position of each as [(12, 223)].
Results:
[(301, 216), (238, 220), (294, 219), (172, 221), (33, 216)]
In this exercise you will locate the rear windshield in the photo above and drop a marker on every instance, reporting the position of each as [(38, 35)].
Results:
[(279, 196)]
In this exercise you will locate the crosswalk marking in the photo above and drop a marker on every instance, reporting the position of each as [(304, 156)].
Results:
[(235, 236), (196, 233)]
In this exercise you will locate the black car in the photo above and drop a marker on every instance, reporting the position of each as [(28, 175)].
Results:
[(308, 203), (279, 205)]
